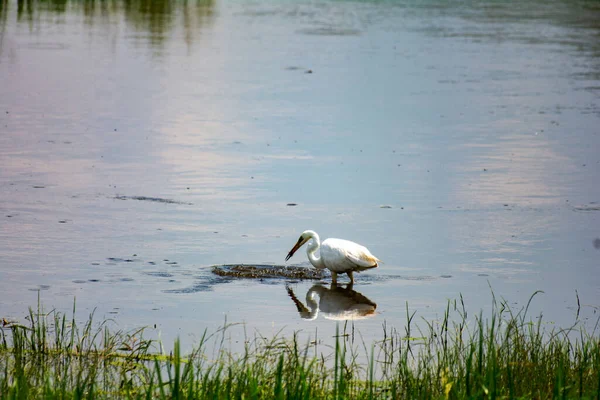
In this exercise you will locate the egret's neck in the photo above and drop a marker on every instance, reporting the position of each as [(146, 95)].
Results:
[(311, 252)]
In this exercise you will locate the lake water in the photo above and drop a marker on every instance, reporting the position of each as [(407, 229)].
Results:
[(143, 142)]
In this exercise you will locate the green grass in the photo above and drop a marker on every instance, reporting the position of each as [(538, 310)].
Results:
[(505, 355)]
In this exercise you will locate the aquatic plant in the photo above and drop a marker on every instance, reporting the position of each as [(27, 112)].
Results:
[(506, 355)]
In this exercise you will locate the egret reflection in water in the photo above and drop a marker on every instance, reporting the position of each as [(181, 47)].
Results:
[(336, 303)]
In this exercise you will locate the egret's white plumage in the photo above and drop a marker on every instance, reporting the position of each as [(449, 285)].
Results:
[(337, 255)]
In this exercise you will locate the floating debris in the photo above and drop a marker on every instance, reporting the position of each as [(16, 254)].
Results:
[(153, 199), (588, 207), (113, 260), (267, 271), (159, 274)]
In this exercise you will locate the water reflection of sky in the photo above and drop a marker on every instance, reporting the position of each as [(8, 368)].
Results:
[(478, 127)]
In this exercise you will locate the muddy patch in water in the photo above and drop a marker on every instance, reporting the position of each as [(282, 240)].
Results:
[(267, 272), (253, 271)]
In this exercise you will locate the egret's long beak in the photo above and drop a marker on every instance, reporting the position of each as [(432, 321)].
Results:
[(293, 250)]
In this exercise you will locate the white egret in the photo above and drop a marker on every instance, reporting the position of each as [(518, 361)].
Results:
[(337, 255)]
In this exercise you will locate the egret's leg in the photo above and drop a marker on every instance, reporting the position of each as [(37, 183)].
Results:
[(351, 276), (333, 277)]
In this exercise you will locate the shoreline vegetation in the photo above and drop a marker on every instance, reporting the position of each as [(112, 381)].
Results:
[(504, 355)]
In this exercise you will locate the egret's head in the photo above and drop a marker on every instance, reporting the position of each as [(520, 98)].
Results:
[(305, 237)]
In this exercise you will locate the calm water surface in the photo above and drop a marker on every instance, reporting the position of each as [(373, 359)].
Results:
[(141, 144)]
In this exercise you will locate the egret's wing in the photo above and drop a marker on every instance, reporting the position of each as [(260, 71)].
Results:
[(350, 251), (362, 257)]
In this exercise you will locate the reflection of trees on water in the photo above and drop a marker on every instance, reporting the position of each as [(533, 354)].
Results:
[(153, 17), (3, 14), (153, 20), (158, 18)]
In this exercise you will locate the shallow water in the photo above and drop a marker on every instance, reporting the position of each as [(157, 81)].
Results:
[(141, 145)]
